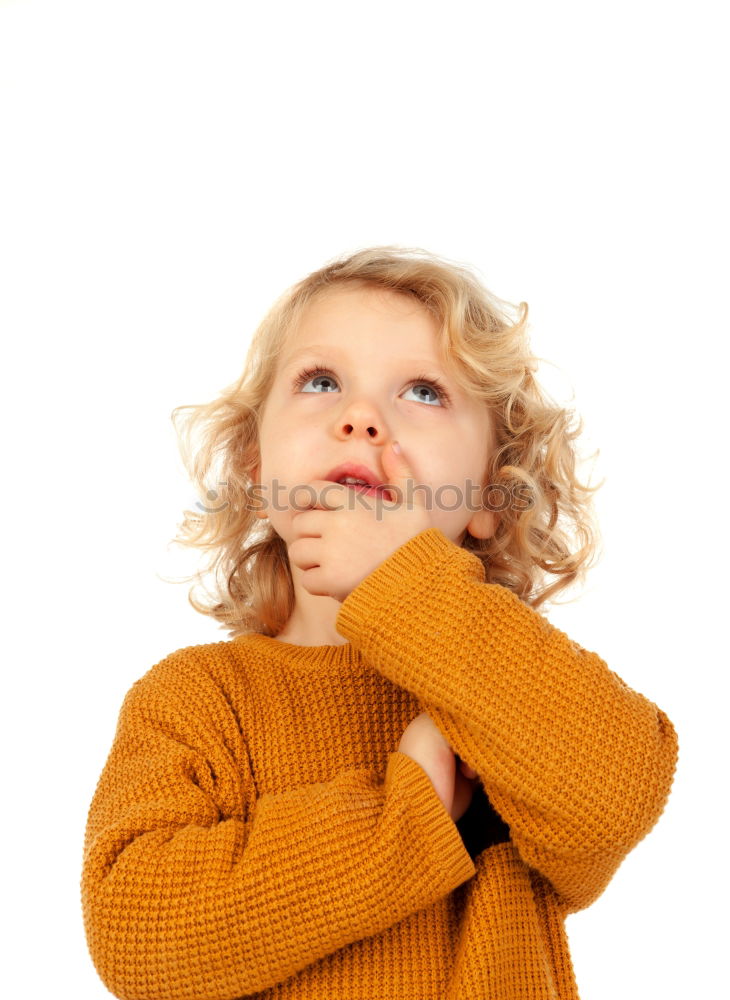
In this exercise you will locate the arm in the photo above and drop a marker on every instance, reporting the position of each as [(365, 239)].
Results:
[(195, 889), (576, 763)]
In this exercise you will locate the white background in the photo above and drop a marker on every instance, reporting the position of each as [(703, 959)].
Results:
[(166, 170)]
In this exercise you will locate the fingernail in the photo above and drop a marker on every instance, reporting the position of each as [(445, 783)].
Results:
[(396, 448)]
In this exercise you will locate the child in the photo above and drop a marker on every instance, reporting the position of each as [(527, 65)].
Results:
[(395, 779)]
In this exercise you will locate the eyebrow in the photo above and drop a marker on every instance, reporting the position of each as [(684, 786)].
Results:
[(310, 349), (334, 351)]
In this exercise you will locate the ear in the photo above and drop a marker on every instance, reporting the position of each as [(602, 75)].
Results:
[(484, 521), (483, 524)]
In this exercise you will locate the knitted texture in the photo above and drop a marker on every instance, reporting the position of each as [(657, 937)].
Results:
[(256, 833)]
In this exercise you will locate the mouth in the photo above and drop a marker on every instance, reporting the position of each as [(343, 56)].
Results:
[(370, 491), (357, 477)]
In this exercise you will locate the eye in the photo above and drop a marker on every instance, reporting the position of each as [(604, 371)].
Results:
[(309, 374), (421, 381), (436, 388)]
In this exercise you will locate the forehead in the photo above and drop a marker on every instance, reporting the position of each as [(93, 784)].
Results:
[(366, 315)]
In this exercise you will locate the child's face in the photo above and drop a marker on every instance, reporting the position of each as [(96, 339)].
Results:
[(375, 345)]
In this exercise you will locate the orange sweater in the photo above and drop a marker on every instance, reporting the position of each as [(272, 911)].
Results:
[(255, 832)]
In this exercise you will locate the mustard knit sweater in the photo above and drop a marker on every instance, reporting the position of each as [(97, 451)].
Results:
[(255, 832)]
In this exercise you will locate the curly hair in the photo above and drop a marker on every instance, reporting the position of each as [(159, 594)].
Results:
[(538, 548)]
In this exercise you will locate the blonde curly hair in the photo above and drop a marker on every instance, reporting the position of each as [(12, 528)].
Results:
[(553, 535)]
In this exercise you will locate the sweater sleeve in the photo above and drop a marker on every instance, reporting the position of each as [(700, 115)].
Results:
[(194, 887), (576, 763)]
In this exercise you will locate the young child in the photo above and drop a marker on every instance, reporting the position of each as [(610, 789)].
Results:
[(395, 779)]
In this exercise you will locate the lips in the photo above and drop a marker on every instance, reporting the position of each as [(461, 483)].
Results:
[(356, 471)]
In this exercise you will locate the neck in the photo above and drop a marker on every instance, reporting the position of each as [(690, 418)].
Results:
[(312, 622)]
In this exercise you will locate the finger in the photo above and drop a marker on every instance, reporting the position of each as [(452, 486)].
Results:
[(308, 523), (314, 582), (304, 553), (319, 494), (467, 771), (398, 473)]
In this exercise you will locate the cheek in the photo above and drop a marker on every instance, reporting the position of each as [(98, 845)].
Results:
[(445, 462)]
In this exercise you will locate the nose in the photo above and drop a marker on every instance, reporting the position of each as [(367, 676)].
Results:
[(361, 420)]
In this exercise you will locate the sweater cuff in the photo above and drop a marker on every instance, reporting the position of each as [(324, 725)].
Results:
[(434, 830), (420, 559)]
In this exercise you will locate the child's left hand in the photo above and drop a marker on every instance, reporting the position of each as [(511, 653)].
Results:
[(337, 549)]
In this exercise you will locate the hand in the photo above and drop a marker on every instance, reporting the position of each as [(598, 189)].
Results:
[(423, 742), (337, 549)]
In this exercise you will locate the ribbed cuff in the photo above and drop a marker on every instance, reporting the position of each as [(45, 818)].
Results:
[(433, 828), (425, 555)]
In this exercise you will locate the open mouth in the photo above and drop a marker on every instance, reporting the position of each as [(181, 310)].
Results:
[(362, 487), (371, 491)]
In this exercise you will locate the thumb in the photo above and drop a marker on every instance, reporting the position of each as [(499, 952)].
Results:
[(398, 473), (467, 770)]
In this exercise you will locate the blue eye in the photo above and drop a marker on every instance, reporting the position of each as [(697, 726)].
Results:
[(311, 374), (420, 385)]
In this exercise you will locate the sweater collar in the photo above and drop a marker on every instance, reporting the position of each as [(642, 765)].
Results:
[(343, 655)]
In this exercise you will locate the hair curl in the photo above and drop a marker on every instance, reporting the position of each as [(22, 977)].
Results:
[(554, 535)]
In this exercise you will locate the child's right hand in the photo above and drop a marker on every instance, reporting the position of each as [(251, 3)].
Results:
[(423, 742)]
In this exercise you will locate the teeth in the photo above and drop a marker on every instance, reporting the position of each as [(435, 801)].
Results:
[(352, 479)]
